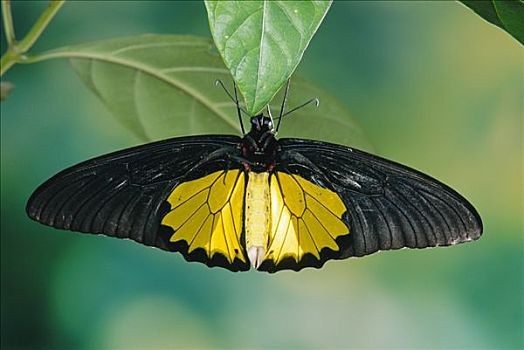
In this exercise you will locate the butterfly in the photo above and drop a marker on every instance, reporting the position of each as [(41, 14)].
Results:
[(256, 201)]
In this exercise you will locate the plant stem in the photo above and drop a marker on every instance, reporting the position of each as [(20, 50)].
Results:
[(39, 26), (6, 62), (15, 52), (8, 22)]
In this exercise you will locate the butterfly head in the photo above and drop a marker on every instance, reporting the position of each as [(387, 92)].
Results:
[(259, 146), (260, 123)]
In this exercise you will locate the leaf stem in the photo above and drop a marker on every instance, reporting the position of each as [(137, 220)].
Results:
[(15, 52), (8, 23)]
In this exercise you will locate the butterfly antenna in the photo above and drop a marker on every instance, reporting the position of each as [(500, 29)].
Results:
[(238, 108), (234, 99), (283, 105), (316, 100)]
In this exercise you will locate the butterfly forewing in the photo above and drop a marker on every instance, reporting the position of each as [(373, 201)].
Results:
[(389, 206), (125, 193)]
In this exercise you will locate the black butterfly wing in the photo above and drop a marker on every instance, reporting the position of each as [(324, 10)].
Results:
[(390, 206), (123, 194)]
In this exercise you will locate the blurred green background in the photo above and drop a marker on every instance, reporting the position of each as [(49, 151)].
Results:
[(434, 87)]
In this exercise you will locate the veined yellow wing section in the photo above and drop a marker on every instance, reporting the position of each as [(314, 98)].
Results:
[(305, 219), (207, 212)]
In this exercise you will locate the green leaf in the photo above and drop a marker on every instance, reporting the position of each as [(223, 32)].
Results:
[(162, 86), (157, 86), (506, 14), (263, 41)]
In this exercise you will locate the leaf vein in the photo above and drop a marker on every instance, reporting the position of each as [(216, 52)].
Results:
[(261, 50), (154, 73), (292, 20), (151, 45)]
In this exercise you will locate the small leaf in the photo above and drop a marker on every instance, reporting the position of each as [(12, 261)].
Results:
[(506, 14), (263, 41), (162, 86), (5, 89)]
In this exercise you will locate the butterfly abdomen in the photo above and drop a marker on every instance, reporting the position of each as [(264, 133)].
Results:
[(257, 216)]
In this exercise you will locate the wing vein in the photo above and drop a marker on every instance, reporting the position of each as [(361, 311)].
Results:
[(422, 215), (211, 236), (225, 237), (449, 206), (309, 233), (401, 211), (113, 192), (442, 216), (276, 226), (45, 204), (87, 202), (117, 221), (68, 200), (362, 231), (283, 242), (381, 243), (320, 222), (198, 231)]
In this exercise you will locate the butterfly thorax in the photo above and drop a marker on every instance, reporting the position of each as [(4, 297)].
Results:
[(259, 145)]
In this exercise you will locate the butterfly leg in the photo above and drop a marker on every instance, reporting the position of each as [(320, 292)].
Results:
[(266, 139)]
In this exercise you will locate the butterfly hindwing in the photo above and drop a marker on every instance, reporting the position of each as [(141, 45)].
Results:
[(205, 219), (389, 206), (307, 224), (124, 194)]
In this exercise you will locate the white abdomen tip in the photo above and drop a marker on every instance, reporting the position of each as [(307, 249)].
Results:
[(256, 256)]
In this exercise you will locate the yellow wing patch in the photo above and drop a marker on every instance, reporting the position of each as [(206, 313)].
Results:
[(207, 213), (305, 218)]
